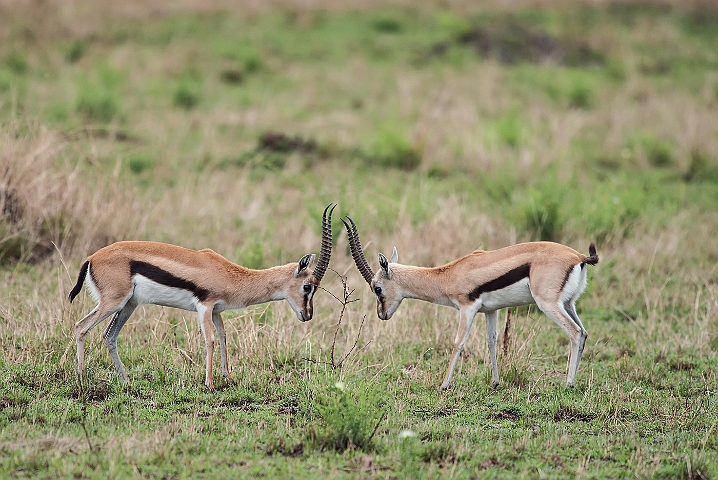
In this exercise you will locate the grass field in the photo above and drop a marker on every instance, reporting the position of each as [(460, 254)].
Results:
[(440, 127)]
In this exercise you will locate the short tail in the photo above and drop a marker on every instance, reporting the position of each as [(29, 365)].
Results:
[(592, 259), (80, 280)]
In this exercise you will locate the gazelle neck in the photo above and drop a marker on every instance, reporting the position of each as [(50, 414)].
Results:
[(420, 283), (262, 286)]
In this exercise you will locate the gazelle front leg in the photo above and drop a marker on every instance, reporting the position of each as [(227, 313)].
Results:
[(205, 322), (491, 336), (466, 318), (219, 326)]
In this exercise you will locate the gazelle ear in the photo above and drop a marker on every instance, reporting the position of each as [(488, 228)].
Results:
[(304, 262), (394, 256), (384, 264)]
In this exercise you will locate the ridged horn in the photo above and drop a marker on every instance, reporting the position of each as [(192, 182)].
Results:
[(326, 251), (357, 252)]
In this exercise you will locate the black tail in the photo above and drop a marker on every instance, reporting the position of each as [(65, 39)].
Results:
[(80, 280), (593, 258)]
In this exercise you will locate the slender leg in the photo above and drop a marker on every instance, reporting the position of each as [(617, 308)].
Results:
[(111, 334), (205, 322), (219, 326), (576, 334), (466, 318), (98, 314), (571, 310), (491, 336)]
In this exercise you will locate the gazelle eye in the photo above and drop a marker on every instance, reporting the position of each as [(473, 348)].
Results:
[(377, 290), (307, 288)]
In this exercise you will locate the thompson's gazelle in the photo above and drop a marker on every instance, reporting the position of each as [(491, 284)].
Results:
[(547, 274), (124, 275)]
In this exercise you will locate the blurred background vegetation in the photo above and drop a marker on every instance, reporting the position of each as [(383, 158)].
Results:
[(440, 127)]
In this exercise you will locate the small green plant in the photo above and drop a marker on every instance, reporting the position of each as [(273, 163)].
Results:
[(139, 162), (187, 93), (349, 421), (542, 218), (659, 152), (252, 62), (456, 25), (436, 171), (99, 100), (97, 105), (56, 111), (439, 452), (17, 62), (509, 129), (393, 150), (699, 169), (616, 70), (75, 51), (613, 213), (580, 94), (232, 76), (387, 24), (515, 375), (252, 255)]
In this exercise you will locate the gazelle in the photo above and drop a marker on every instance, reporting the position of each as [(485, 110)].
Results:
[(124, 275), (547, 274)]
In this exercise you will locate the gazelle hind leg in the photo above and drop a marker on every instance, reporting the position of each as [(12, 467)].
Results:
[(88, 322), (491, 337), (571, 310), (577, 335), (466, 318), (111, 334), (219, 326)]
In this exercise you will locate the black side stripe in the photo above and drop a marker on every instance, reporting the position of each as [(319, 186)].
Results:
[(509, 278), (568, 275), (165, 278)]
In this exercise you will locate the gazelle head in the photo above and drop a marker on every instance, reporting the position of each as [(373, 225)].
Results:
[(303, 285), (388, 294)]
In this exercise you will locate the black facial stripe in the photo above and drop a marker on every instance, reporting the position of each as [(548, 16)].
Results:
[(165, 278), (505, 280)]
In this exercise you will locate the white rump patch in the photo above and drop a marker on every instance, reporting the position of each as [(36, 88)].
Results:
[(94, 292), (575, 284)]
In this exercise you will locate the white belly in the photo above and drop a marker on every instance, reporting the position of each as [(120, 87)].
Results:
[(147, 291), (514, 295)]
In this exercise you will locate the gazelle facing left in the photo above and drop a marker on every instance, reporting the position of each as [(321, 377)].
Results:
[(127, 274), (547, 274)]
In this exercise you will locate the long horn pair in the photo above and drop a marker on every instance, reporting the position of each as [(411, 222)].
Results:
[(357, 252), (326, 251)]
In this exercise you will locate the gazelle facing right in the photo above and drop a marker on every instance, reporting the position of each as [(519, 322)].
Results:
[(547, 274), (124, 275)]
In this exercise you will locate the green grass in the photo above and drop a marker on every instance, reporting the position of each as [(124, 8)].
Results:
[(233, 129)]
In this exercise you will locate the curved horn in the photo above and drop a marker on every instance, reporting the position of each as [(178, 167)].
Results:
[(357, 252), (326, 251)]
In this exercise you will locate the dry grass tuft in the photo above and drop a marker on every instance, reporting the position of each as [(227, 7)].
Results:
[(43, 201)]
